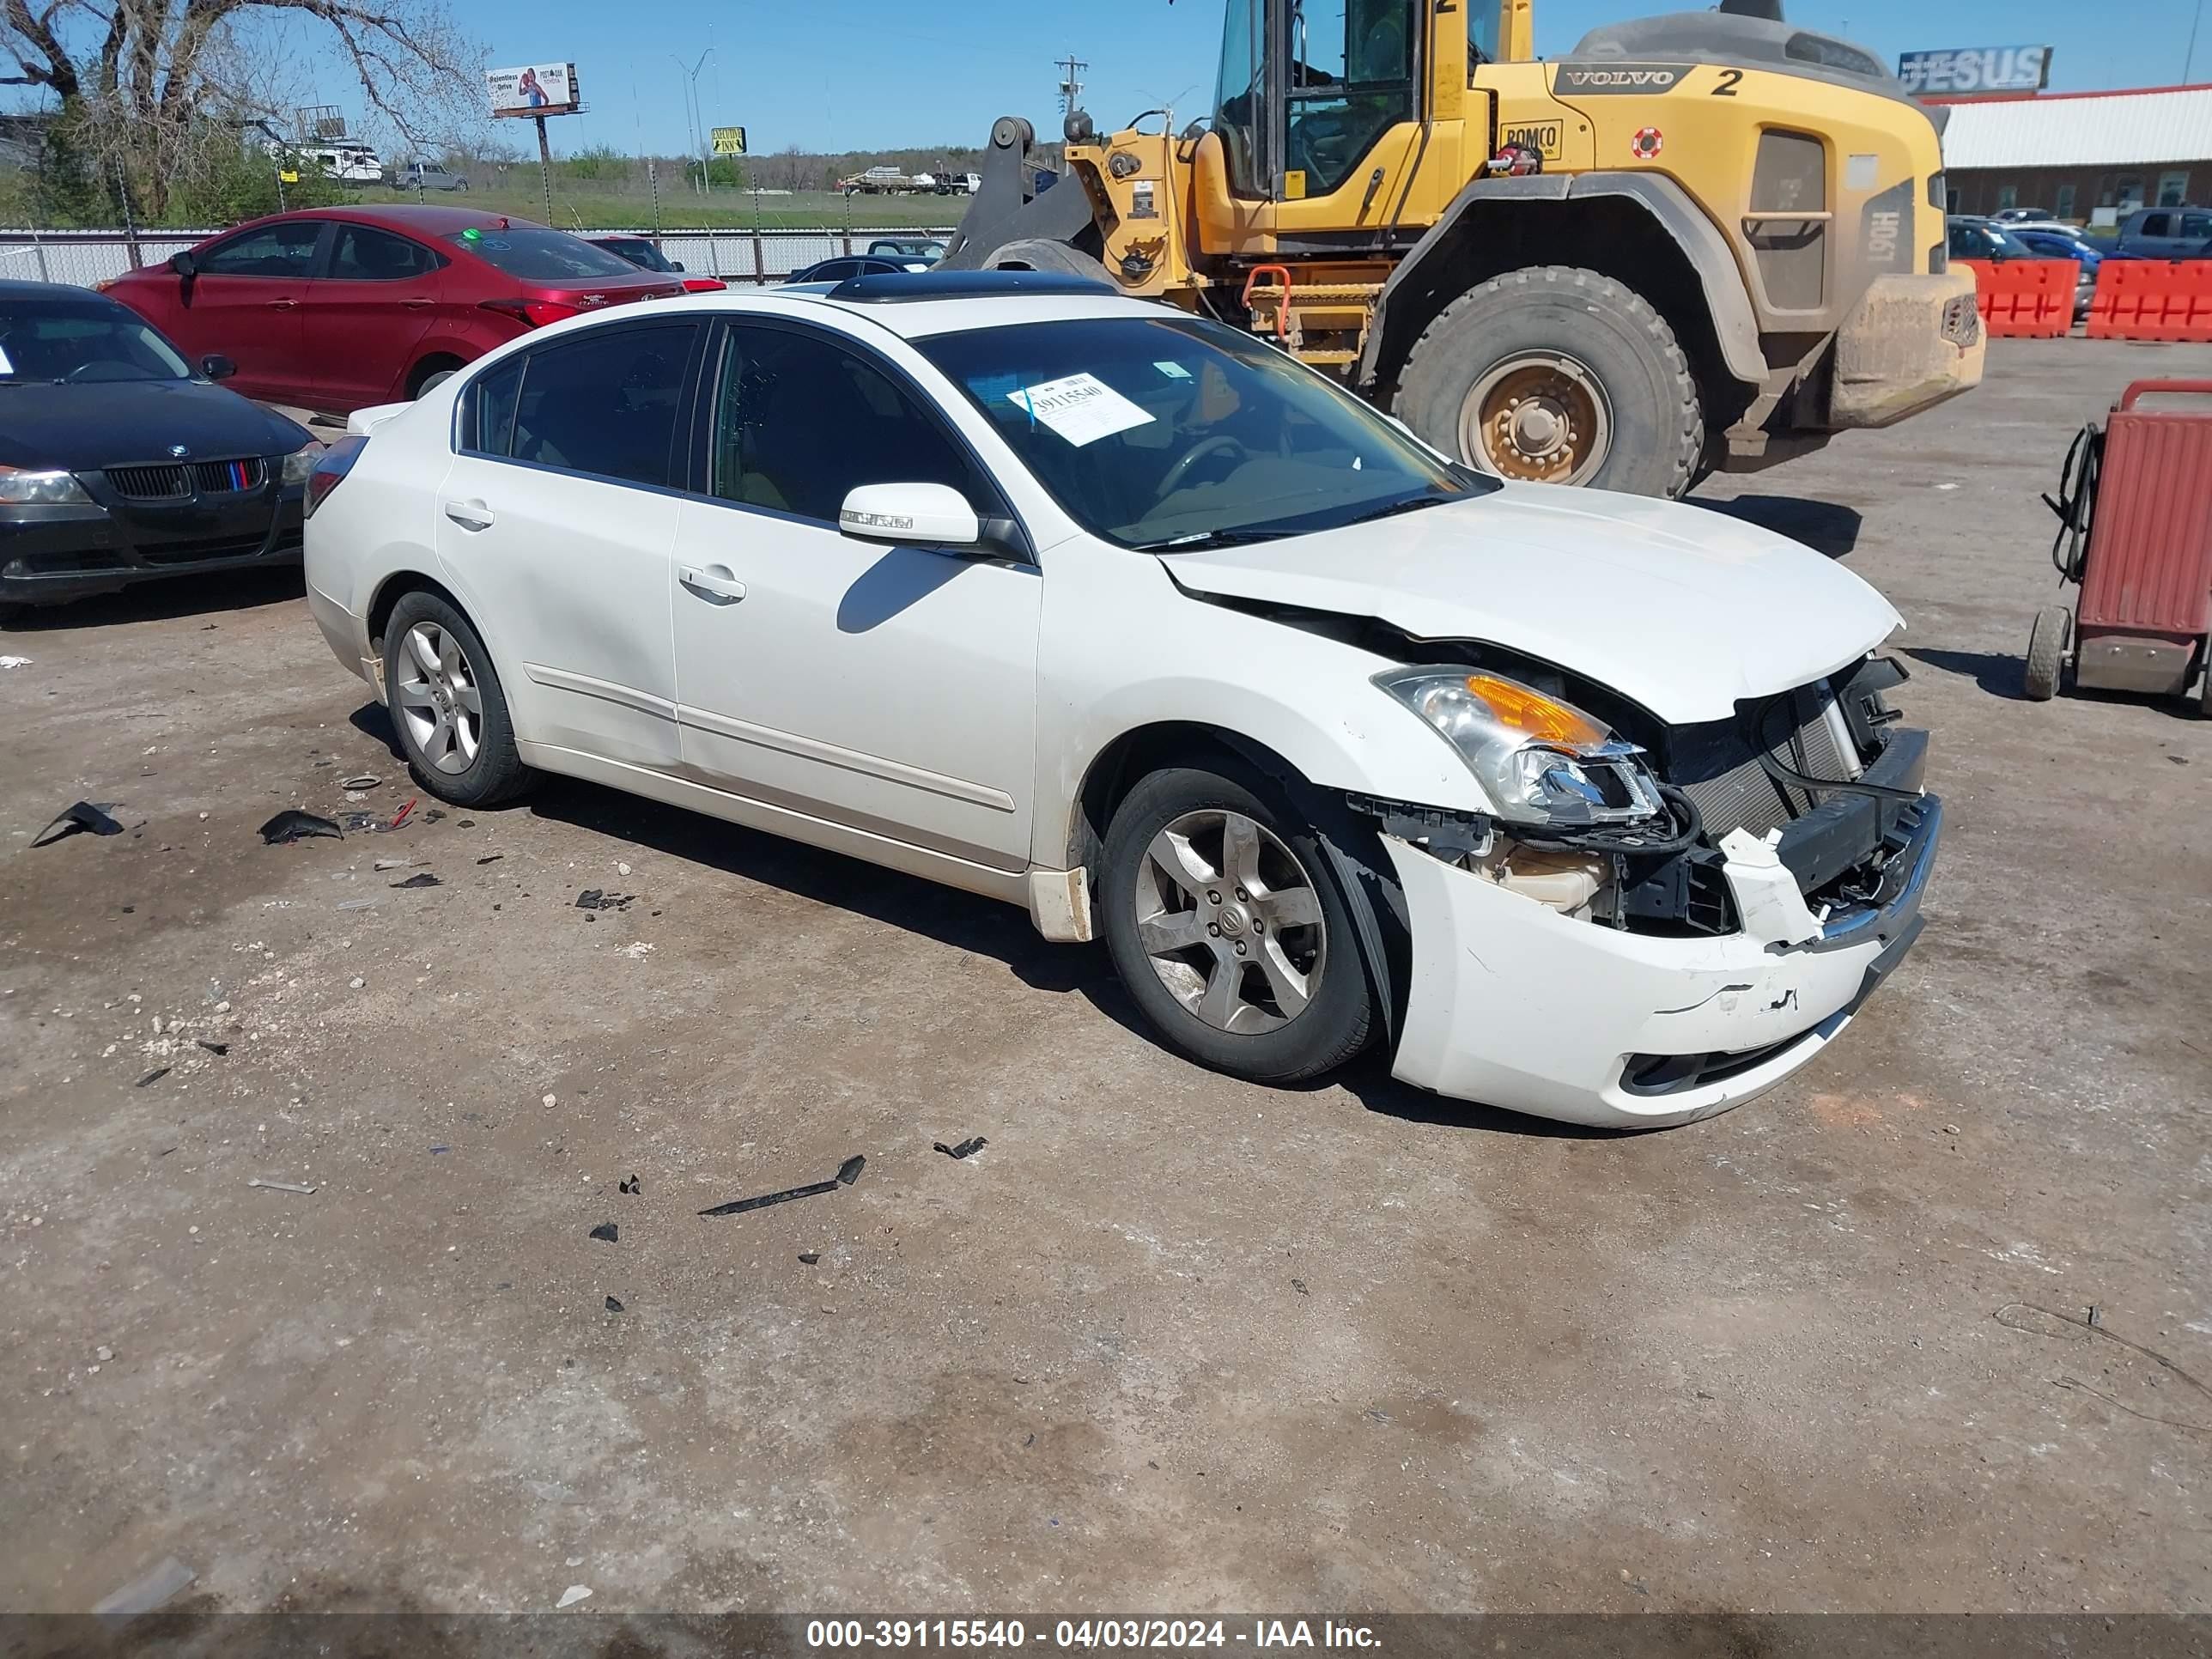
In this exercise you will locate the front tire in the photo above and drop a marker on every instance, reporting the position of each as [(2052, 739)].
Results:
[(1226, 923), (446, 703), (1035, 254), (1554, 374), (2046, 652)]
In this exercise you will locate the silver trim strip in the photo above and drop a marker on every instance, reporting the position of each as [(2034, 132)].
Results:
[(561, 679), (849, 760)]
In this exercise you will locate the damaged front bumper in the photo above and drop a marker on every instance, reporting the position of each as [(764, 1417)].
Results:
[(1518, 1006)]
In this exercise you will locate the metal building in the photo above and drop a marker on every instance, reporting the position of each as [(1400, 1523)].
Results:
[(2092, 157)]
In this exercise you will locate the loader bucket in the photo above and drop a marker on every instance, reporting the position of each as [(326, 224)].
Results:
[(1010, 206)]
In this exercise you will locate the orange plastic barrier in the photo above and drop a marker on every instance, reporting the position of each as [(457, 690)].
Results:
[(2152, 299), (2025, 299)]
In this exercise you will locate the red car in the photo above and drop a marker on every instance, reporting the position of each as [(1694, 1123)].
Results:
[(334, 308)]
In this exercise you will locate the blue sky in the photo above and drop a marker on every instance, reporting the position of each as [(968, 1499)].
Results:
[(871, 74), (866, 72)]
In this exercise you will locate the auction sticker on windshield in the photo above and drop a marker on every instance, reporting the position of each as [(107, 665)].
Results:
[(1081, 408)]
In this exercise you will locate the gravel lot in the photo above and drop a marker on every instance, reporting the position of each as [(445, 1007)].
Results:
[(1169, 1342)]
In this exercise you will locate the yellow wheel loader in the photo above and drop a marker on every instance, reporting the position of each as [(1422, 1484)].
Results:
[(1698, 241)]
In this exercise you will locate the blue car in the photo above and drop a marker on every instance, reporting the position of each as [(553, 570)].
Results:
[(2064, 242)]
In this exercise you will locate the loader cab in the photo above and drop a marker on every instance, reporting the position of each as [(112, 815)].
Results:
[(1310, 90)]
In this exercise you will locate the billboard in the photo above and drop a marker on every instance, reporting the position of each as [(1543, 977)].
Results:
[(1975, 68), (729, 140), (532, 89)]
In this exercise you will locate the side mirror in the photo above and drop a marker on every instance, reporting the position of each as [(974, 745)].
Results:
[(216, 367), (929, 514), (181, 264), (676, 265)]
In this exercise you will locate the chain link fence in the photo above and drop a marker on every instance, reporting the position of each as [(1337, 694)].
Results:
[(87, 256)]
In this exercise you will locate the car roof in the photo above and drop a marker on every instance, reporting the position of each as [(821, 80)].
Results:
[(422, 220), (26, 290), (919, 318)]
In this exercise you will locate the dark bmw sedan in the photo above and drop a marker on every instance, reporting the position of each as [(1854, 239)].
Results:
[(120, 462)]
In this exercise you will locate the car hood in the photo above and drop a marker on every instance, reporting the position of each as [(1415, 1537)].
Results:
[(1682, 610), (83, 427)]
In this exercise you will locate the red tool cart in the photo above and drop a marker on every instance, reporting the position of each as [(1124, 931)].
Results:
[(2135, 511)]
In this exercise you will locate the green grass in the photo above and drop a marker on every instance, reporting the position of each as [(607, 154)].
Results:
[(598, 207)]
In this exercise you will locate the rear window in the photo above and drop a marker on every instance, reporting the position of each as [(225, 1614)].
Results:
[(635, 249), (538, 255)]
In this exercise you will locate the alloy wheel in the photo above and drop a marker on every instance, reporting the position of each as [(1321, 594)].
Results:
[(439, 702), (1232, 921)]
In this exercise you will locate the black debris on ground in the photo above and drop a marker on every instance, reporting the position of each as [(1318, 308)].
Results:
[(426, 880), (847, 1173), (291, 824), (631, 1185), (607, 1231), (213, 1048), (613, 1306), (965, 1149), (592, 899), (80, 816), (494, 859), (154, 1076), (810, 1257)]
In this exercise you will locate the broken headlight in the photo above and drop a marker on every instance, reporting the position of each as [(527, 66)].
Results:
[(301, 461), (1540, 760)]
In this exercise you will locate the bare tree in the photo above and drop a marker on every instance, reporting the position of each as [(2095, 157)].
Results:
[(139, 82)]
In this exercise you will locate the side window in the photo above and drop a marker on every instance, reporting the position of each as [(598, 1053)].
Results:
[(836, 271), (486, 425), (1961, 242), (1351, 81), (365, 254), (2195, 226), (605, 402), (2155, 224), (800, 422), (285, 249)]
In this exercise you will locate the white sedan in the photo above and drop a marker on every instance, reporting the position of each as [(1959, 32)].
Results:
[(1580, 804)]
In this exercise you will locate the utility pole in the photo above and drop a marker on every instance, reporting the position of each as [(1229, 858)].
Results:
[(1071, 87), (692, 114), (2189, 60)]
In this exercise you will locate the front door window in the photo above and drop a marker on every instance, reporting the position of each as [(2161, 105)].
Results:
[(1351, 81), (1241, 95)]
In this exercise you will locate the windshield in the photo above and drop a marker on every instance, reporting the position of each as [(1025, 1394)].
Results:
[(81, 343), (1161, 433), (539, 255)]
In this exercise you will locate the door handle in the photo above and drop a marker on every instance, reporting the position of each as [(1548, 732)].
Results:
[(470, 514), (283, 305), (714, 584), (417, 305)]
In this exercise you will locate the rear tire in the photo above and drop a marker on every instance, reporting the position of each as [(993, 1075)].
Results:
[(2204, 691), (1181, 890), (431, 372), (1556, 375), (2046, 652), (448, 707)]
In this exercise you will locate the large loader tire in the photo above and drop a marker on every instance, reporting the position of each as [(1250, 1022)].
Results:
[(1557, 375), (1034, 254)]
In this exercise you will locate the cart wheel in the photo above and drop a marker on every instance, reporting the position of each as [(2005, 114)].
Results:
[(2204, 691), (2046, 652)]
